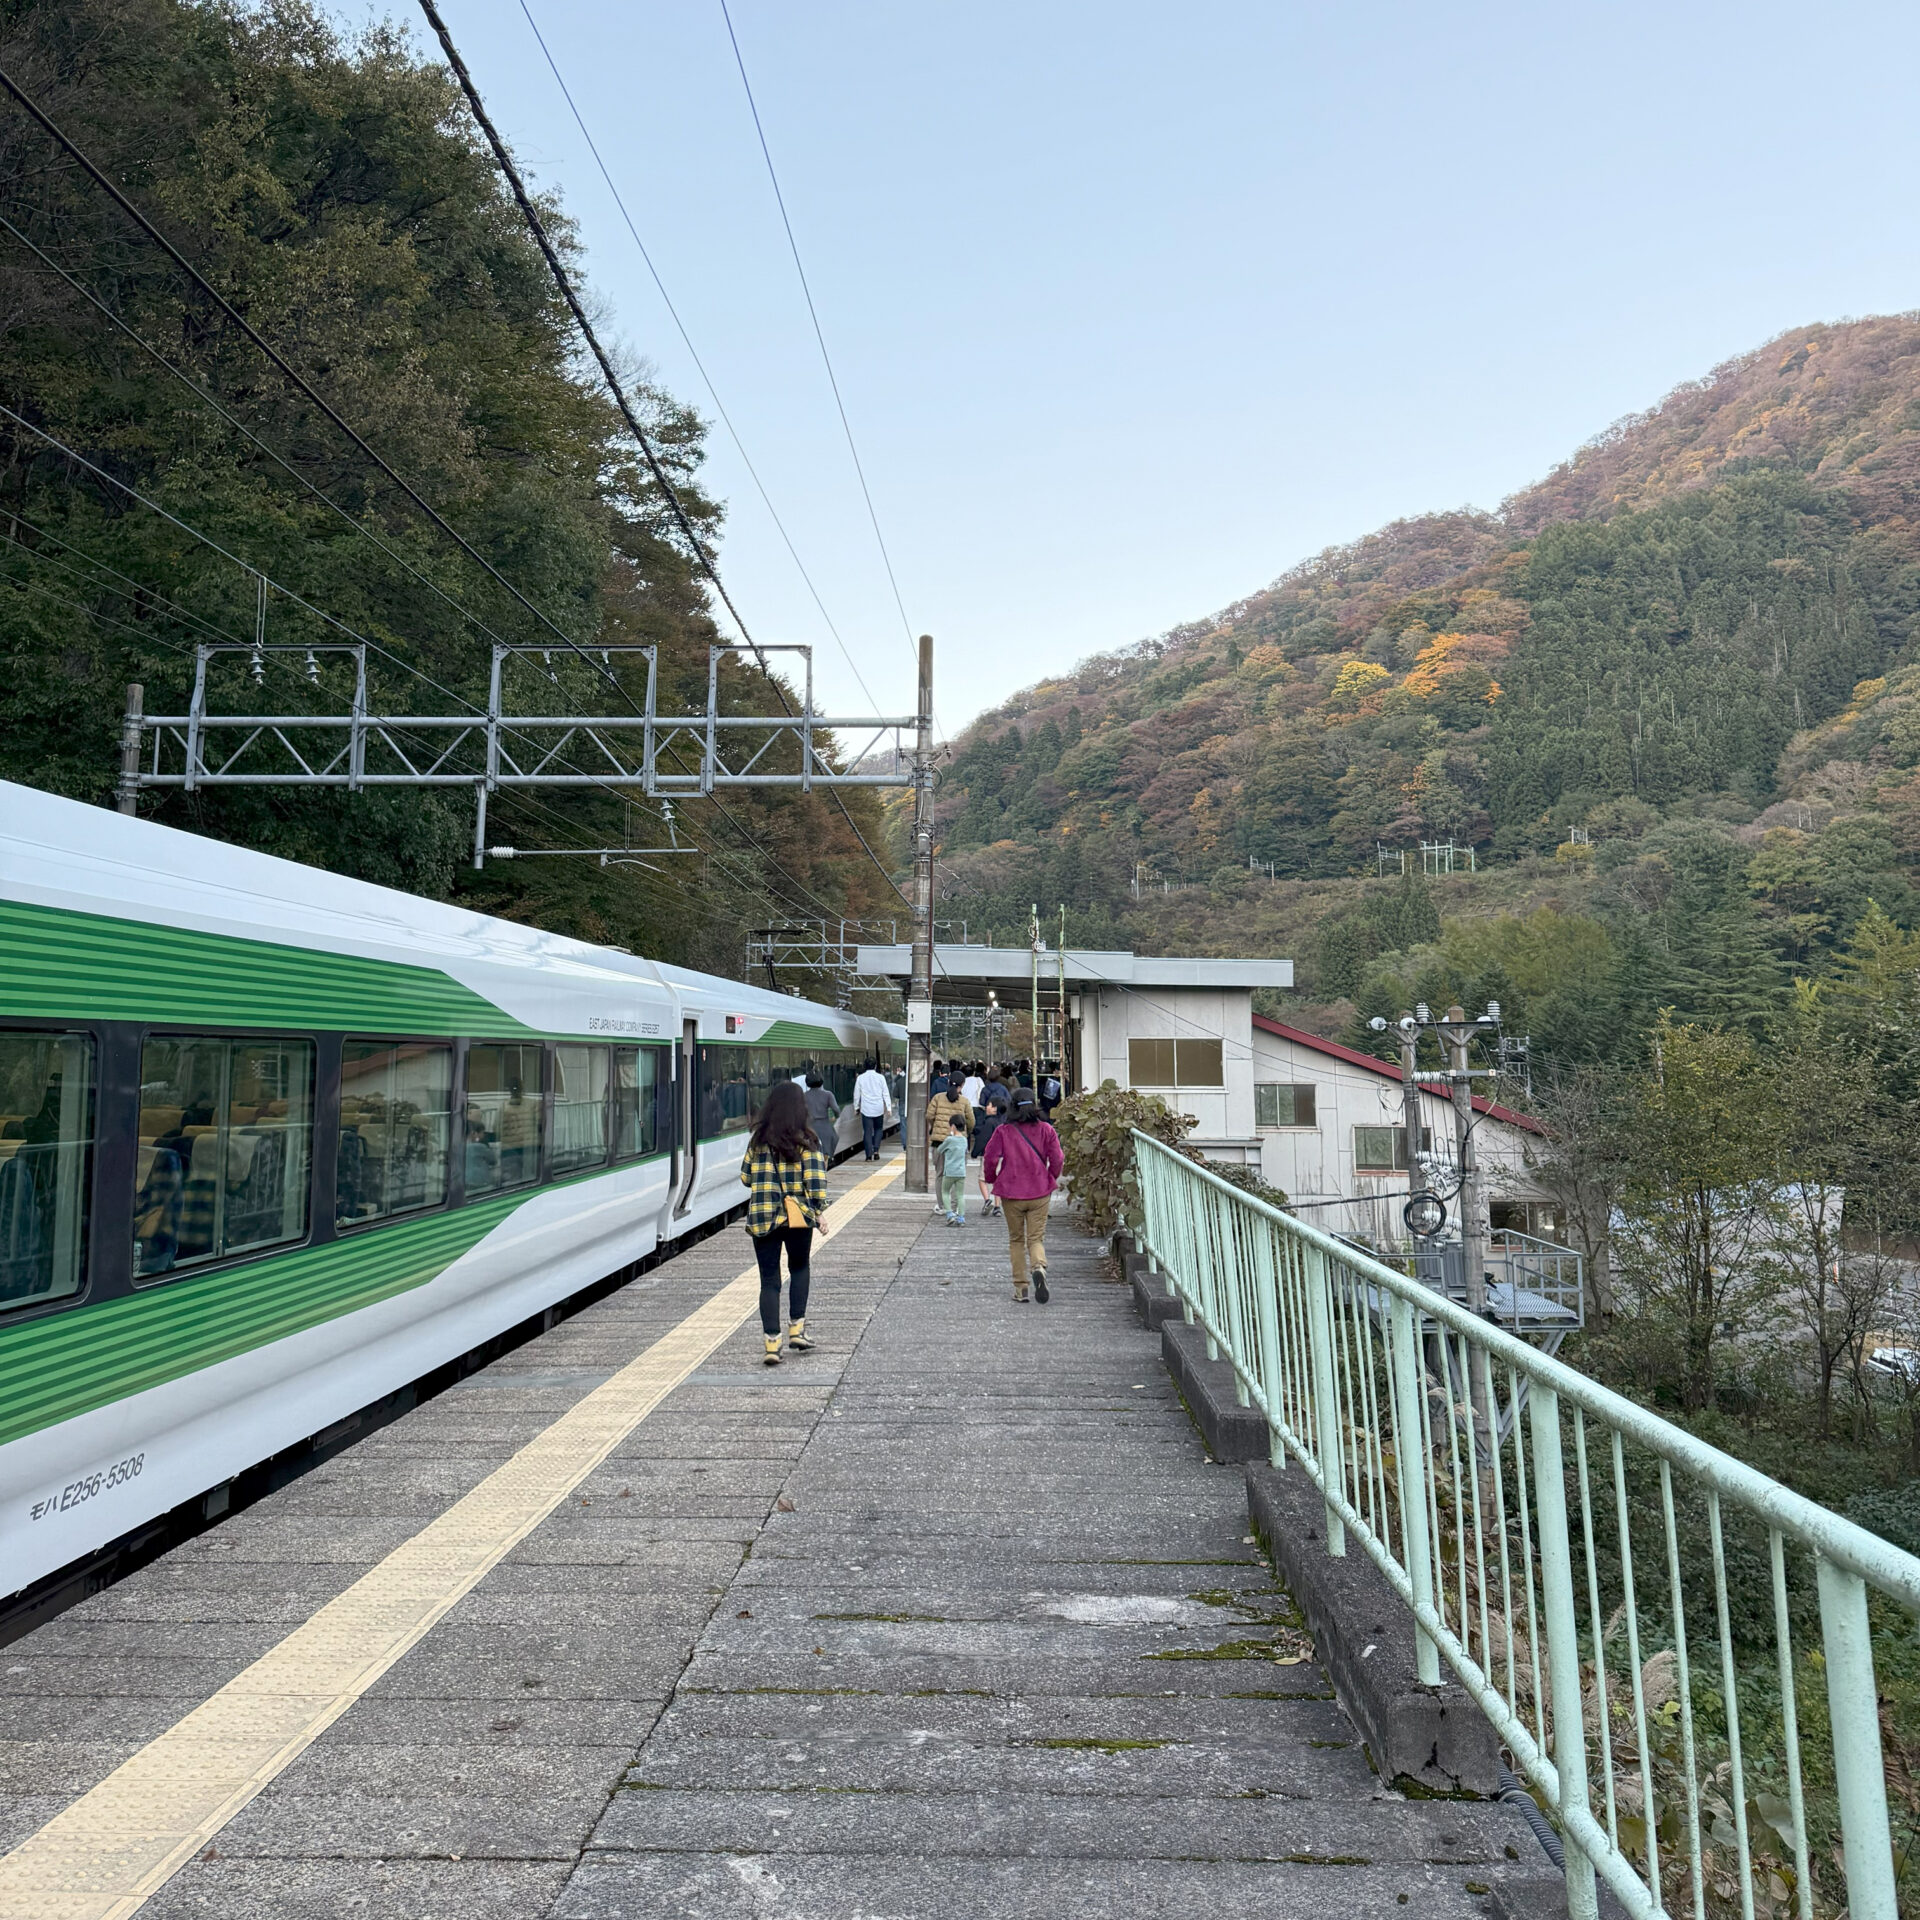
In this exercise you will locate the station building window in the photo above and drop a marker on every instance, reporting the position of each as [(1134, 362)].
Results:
[(1384, 1149), (46, 1150), (396, 1127), (1279, 1103), (579, 1108), (226, 1132), (504, 1118), (636, 1119), (1175, 1063)]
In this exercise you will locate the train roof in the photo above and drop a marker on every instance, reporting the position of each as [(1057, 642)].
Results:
[(67, 857)]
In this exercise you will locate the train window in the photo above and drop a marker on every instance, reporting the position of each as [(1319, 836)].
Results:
[(396, 1122), (579, 1108), (636, 1122), (226, 1132), (503, 1118), (727, 1098), (46, 1147)]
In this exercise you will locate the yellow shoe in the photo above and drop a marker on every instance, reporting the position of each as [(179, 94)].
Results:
[(797, 1337), (773, 1349)]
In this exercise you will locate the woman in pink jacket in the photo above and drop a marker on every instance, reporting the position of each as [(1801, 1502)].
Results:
[(1020, 1169)]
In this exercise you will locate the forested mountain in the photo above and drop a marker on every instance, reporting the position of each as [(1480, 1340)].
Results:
[(1692, 642), (336, 195)]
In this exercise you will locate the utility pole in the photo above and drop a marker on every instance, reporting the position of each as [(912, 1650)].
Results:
[(128, 800), (1409, 1029), (913, 1123), (1033, 968), (1457, 1031), (1060, 1037)]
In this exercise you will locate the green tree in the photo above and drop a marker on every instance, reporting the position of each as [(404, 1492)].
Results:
[(1698, 1199), (1588, 1113), (1843, 1145)]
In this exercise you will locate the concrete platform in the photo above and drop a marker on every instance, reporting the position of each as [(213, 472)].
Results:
[(952, 1616)]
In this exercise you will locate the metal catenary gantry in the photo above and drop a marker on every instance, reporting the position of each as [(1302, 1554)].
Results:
[(660, 755)]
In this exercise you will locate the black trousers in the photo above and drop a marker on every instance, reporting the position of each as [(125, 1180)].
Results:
[(870, 1125), (798, 1242)]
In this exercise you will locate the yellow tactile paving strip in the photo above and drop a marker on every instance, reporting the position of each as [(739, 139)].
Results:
[(115, 1847)]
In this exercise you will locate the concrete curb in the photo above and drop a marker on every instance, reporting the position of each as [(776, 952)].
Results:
[(1231, 1431), (1434, 1736), (1152, 1300)]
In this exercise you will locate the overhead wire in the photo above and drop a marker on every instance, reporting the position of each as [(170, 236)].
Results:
[(273, 454), (207, 399), (530, 214), (537, 227), (186, 616), (797, 889), (111, 188), (813, 313), (693, 353), (200, 393)]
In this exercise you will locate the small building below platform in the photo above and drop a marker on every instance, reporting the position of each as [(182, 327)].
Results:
[(1332, 1133)]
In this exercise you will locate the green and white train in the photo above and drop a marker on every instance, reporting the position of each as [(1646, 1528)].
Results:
[(275, 1143)]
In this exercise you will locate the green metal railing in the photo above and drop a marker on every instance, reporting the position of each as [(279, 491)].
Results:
[(1572, 1558)]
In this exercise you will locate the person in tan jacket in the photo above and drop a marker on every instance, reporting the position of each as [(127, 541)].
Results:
[(942, 1108)]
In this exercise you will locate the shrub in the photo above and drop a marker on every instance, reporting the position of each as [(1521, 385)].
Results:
[(1096, 1135), (1248, 1180)]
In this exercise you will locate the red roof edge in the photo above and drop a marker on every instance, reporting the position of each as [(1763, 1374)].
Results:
[(1374, 1064)]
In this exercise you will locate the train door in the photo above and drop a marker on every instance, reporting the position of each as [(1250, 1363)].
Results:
[(686, 1147)]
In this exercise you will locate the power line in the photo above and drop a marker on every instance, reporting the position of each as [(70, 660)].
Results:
[(531, 215), (185, 615), (686, 339), (173, 519), (826, 358), (240, 426), (799, 893), (186, 266), (201, 394), (560, 279)]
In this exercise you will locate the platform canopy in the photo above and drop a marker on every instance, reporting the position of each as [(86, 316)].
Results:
[(965, 975)]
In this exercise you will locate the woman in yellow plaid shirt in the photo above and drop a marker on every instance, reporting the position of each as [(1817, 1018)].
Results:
[(785, 1173)]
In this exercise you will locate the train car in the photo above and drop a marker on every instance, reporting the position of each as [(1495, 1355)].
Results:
[(275, 1143)]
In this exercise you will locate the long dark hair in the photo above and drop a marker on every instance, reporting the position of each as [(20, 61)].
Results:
[(1026, 1109), (783, 1127)]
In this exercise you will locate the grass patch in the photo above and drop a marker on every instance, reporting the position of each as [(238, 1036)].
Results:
[(1289, 1651)]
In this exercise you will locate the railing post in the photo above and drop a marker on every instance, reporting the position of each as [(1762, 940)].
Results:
[(1563, 1639), (1267, 1305), (1208, 1241), (1409, 1390), (1243, 1334), (1326, 1409), (1854, 1705)]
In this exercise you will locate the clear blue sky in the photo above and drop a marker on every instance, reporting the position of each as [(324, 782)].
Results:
[(1134, 306)]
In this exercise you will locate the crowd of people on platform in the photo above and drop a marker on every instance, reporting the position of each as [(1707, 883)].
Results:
[(997, 1114), (1003, 1117)]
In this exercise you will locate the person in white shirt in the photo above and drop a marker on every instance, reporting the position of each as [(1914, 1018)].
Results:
[(873, 1098), (972, 1087)]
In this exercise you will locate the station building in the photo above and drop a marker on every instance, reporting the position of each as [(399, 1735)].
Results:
[(1181, 1027), (1322, 1121)]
